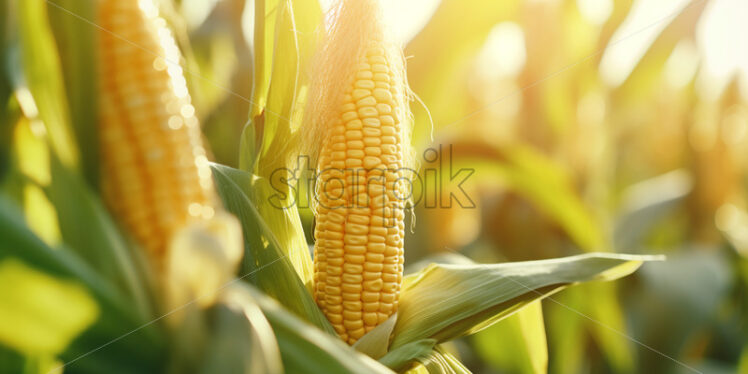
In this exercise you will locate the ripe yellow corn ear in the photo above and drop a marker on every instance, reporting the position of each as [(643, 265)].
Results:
[(361, 114), (155, 173)]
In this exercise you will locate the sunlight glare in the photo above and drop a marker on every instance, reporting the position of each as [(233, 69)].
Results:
[(682, 64), (634, 37), (406, 18), (720, 37), (504, 53), (595, 11)]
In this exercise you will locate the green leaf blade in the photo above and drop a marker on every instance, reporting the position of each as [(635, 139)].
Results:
[(264, 264), (449, 301)]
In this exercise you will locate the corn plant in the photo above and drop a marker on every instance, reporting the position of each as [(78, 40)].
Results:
[(129, 251)]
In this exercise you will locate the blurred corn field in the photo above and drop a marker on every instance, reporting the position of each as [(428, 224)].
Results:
[(157, 210)]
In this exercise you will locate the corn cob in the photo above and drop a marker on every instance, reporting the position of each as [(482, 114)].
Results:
[(358, 252), (155, 174)]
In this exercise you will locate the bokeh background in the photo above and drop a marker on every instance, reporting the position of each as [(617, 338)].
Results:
[(592, 125)]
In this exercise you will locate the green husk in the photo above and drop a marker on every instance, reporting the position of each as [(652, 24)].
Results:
[(264, 264), (375, 342)]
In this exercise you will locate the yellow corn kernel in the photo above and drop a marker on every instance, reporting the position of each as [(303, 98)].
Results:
[(356, 205), (145, 114)]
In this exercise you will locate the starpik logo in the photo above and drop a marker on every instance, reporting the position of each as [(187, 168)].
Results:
[(436, 184)]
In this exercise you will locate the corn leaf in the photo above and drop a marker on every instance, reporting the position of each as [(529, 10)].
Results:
[(13, 362), (116, 318), (266, 15), (58, 203), (251, 142), (282, 217), (305, 349), (19, 242), (454, 364), (294, 45), (274, 114), (10, 360), (545, 184), (267, 144), (431, 70), (43, 74), (40, 214), (647, 203), (516, 344), (549, 188), (31, 319), (87, 228), (5, 87), (241, 340), (639, 79), (566, 332), (743, 365), (76, 41), (374, 343), (32, 170), (436, 363), (439, 361), (399, 358), (264, 264), (644, 206), (444, 302), (281, 93), (679, 298), (6, 113), (608, 312)]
